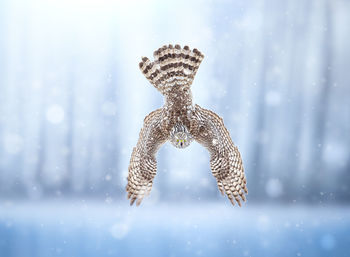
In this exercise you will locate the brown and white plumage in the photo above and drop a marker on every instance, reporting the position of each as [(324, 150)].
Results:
[(225, 159), (143, 163), (179, 121)]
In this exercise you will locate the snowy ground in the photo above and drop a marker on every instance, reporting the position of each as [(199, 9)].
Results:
[(95, 229)]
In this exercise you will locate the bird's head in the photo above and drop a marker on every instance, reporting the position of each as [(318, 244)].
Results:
[(180, 137), (181, 140)]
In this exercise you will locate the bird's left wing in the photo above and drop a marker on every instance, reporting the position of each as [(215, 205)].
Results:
[(225, 160), (143, 163)]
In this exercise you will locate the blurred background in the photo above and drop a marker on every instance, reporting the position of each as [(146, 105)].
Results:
[(72, 102)]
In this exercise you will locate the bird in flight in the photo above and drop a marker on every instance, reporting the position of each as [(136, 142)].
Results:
[(180, 122)]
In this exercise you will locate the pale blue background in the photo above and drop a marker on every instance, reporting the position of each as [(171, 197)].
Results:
[(72, 102)]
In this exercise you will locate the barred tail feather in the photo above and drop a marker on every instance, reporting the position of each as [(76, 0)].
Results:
[(171, 65)]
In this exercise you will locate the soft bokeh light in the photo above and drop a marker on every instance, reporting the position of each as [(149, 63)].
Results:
[(73, 101)]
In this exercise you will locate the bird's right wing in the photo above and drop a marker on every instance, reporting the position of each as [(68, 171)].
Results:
[(143, 163), (225, 160)]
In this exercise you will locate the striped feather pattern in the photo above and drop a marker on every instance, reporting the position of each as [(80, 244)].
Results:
[(225, 160), (172, 65), (143, 163)]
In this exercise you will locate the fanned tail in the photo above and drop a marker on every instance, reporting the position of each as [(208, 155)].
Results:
[(171, 65)]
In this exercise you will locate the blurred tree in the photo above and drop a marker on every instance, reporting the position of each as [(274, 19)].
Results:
[(318, 170), (257, 189)]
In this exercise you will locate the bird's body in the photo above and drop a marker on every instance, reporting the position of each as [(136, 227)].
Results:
[(181, 122)]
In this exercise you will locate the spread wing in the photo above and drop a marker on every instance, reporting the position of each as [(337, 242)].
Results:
[(225, 159), (143, 163)]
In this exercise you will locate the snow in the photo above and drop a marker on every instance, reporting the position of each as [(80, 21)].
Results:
[(328, 242), (72, 103), (79, 228), (274, 188), (55, 114), (273, 98), (13, 143), (109, 108), (120, 230)]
